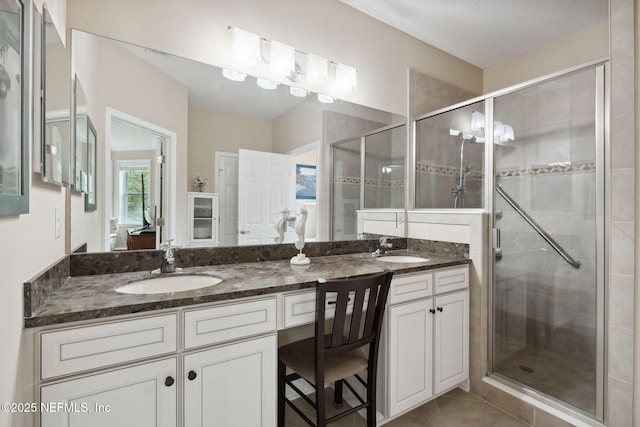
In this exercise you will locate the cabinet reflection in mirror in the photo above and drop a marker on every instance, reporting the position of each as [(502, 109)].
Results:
[(181, 120), (55, 115)]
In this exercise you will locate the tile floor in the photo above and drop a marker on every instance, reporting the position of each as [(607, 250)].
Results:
[(454, 409)]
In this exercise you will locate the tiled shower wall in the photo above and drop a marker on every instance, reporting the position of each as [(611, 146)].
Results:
[(621, 237)]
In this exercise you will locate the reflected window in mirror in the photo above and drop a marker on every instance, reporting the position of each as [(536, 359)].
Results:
[(56, 103), (133, 185), (14, 111)]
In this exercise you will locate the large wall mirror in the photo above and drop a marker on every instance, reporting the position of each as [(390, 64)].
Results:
[(155, 101), (56, 104), (15, 29)]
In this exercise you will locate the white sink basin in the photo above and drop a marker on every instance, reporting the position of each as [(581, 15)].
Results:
[(401, 258), (168, 284)]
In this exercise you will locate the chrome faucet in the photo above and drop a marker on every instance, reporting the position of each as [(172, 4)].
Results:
[(168, 259), (382, 247)]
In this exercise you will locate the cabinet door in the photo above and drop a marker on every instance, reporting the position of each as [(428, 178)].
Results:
[(232, 385), (203, 218), (409, 359), (451, 340), (137, 396)]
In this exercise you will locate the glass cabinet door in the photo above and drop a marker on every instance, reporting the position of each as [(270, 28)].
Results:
[(203, 219)]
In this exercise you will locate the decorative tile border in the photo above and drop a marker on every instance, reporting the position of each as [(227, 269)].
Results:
[(368, 181), (425, 167), (561, 167)]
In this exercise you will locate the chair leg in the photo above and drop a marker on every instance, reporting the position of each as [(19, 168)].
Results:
[(321, 406), (281, 392), (337, 393)]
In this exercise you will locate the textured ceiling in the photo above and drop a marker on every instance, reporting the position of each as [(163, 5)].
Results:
[(486, 32)]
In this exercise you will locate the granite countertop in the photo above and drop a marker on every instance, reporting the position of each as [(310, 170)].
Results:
[(94, 296)]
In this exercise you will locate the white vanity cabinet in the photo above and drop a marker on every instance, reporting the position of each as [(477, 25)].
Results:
[(203, 219), (220, 369), (96, 374), (232, 385), (143, 395), (427, 337), (234, 382)]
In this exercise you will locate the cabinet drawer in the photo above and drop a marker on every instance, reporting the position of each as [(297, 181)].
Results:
[(229, 321), (89, 347), (410, 286), (451, 279), (300, 308)]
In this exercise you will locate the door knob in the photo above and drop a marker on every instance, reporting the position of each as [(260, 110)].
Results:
[(192, 375), (244, 231), (169, 381)]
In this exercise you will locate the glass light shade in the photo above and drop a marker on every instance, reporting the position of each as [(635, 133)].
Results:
[(297, 91), (317, 69), (283, 58), (235, 76), (267, 84), (245, 47), (508, 134), (325, 99), (477, 120), (346, 78)]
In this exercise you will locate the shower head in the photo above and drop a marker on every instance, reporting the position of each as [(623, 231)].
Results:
[(468, 169)]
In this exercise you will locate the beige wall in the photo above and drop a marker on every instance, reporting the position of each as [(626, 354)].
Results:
[(577, 49), (328, 28), (212, 130)]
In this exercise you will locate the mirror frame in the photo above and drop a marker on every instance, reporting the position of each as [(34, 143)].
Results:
[(16, 204), (43, 111), (90, 197), (79, 184)]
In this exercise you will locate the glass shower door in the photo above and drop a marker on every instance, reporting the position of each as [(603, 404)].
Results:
[(546, 290), (346, 166)]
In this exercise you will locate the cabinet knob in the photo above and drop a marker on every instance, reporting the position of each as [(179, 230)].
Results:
[(192, 375), (440, 309), (169, 381), (432, 311)]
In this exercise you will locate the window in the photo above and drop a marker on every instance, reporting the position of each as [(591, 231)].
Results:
[(131, 175)]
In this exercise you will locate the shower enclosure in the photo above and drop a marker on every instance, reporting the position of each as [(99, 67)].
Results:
[(368, 172), (545, 191)]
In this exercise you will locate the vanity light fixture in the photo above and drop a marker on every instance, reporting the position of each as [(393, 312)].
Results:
[(235, 76), (282, 59), (317, 69), (325, 99), (245, 47), (477, 120), (502, 131), (297, 91), (346, 78), (267, 84)]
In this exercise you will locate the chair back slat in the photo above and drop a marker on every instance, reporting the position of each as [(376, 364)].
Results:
[(342, 303), (356, 316), (369, 295)]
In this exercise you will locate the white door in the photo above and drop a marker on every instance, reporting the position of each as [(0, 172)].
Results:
[(409, 355), (451, 340), (266, 184), (139, 396), (227, 187), (232, 385)]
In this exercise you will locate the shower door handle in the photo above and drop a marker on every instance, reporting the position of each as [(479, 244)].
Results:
[(497, 249)]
